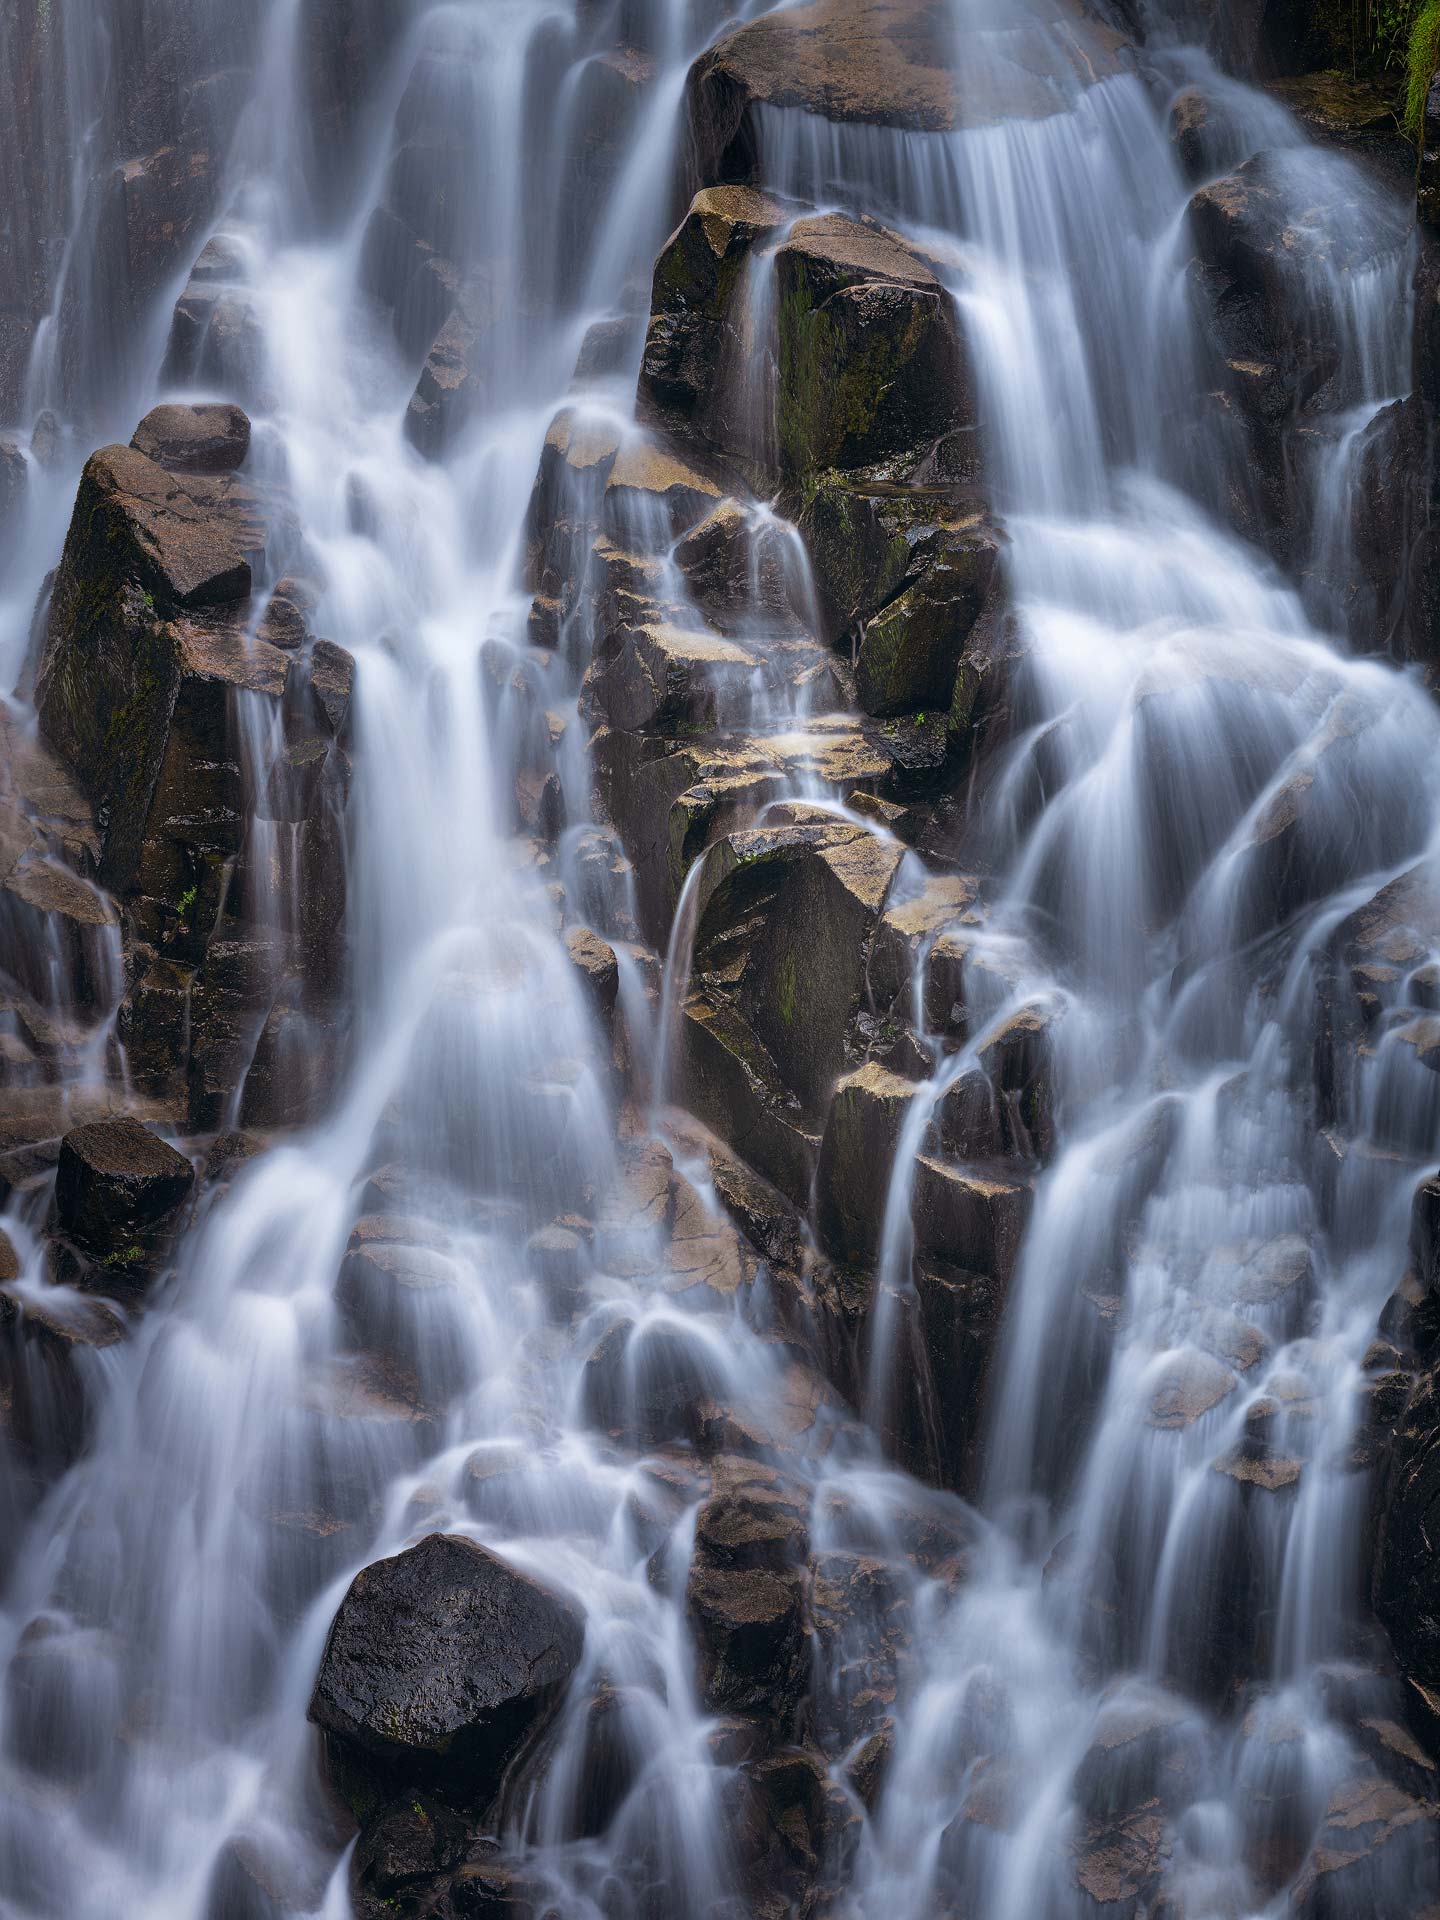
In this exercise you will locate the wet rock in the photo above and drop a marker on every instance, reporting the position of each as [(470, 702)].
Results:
[(910, 650), (697, 333), (284, 623), (869, 545), (947, 1333), (876, 63), (651, 495), (142, 659), (735, 570), (594, 960), (1268, 262), (857, 1154), (119, 1189), (296, 1063), (211, 438), (1374, 1852), (1005, 1108), (50, 1374), (14, 486), (216, 338), (1191, 1385), (796, 1833), (871, 365), (1422, 1319), (651, 1382), (672, 679), (1257, 1466), (440, 1665), (134, 522), (1404, 1587), (748, 1627), (970, 1217), (450, 386), (343, 47), (563, 516), (611, 1759), (332, 684), (57, 929), (786, 916)]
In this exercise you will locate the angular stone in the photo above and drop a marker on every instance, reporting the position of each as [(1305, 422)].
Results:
[(440, 1665), (651, 495), (210, 438), (119, 1188), (911, 649), (48, 1373), (749, 1632), (450, 387), (133, 521), (969, 1218), (871, 365), (1192, 1385), (882, 63), (697, 331), (857, 1156), (789, 914), (594, 960)]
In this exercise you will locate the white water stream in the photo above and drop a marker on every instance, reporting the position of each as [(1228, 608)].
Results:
[(165, 1613)]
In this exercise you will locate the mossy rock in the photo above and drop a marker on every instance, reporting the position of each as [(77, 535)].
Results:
[(871, 367)]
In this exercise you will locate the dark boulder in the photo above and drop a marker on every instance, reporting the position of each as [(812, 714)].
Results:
[(212, 438), (745, 1594), (132, 521), (857, 1157), (440, 1666), (118, 1189), (881, 63), (698, 332), (871, 364)]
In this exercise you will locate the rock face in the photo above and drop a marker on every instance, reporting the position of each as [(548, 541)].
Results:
[(118, 1189), (698, 326), (875, 63), (440, 1665), (870, 361), (785, 919), (146, 671)]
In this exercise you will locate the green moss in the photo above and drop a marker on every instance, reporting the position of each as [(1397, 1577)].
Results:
[(1422, 57)]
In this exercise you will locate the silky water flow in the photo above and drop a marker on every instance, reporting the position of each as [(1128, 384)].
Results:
[(1196, 1288)]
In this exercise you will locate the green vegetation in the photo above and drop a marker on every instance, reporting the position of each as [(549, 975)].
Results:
[(1422, 57), (187, 901)]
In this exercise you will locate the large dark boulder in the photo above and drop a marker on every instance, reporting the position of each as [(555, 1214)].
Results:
[(143, 654), (697, 342), (134, 522), (440, 1665), (871, 363), (744, 1598), (209, 438), (888, 63), (119, 1188)]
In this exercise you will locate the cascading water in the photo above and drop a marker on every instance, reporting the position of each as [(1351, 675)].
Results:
[(543, 1319)]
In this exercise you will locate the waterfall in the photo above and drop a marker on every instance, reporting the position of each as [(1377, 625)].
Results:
[(563, 859)]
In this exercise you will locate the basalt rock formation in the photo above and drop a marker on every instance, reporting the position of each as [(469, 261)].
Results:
[(749, 1197)]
